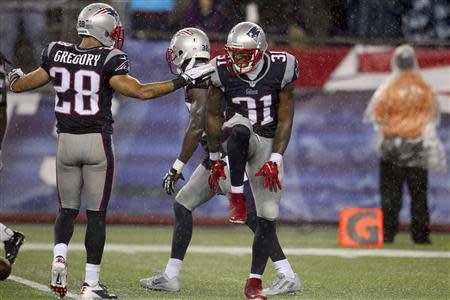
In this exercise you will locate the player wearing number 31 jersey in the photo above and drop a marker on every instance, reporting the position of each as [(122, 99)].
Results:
[(85, 77), (258, 89)]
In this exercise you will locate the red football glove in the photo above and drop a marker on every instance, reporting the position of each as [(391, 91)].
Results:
[(270, 172), (217, 172)]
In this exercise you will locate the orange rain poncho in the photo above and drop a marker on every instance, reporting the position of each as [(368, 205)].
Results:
[(405, 113)]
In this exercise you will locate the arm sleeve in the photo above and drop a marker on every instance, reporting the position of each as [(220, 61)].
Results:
[(45, 56), (116, 63), (291, 71)]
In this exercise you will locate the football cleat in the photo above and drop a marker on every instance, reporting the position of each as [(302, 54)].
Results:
[(98, 291), (59, 277), (238, 208), (284, 285), (161, 282), (12, 246), (253, 289)]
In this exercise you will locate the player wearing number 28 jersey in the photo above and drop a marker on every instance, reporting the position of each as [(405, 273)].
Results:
[(85, 77)]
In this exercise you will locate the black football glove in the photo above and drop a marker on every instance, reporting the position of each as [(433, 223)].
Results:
[(170, 180)]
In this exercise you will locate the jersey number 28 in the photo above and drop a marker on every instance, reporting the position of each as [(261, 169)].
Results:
[(64, 106)]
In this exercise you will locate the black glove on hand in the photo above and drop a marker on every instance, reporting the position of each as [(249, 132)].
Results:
[(170, 180)]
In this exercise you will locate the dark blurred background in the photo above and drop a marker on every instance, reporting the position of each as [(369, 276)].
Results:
[(29, 24)]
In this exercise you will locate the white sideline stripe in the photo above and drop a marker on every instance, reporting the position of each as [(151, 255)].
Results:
[(347, 253), (37, 286)]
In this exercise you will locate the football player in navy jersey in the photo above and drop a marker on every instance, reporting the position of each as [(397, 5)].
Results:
[(258, 89), (85, 77), (190, 47)]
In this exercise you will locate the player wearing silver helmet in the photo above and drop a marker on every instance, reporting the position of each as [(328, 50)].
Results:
[(257, 85), (188, 47), (85, 77)]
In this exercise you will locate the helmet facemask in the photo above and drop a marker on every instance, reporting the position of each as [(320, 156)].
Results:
[(118, 35), (240, 60), (173, 59)]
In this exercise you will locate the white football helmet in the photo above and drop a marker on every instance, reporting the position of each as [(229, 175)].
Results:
[(102, 22), (246, 44), (186, 44)]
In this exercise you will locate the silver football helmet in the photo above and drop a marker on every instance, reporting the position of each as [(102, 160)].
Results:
[(186, 44), (245, 46), (102, 22)]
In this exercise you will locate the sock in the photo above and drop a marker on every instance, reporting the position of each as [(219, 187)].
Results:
[(182, 231), (173, 267), (5, 233), (237, 189), (94, 240), (255, 276), (60, 250), (237, 148), (264, 238), (283, 267), (92, 274)]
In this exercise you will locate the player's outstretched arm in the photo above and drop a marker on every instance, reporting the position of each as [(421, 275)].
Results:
[(20, 82), (285, 119), (131, 87), (214, 120)]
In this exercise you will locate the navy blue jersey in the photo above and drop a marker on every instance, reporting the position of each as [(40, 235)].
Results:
[(256, 99), (80, 78)]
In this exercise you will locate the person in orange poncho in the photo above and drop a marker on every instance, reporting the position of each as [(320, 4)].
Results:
[(405, 113)]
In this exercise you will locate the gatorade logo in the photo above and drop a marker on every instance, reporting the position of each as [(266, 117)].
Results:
[(361, 227)]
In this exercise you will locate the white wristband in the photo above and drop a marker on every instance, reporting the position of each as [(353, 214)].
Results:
[(214, 155), (178, 165), (276, 158)]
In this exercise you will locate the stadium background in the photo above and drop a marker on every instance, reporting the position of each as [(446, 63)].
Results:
[(331, 162)]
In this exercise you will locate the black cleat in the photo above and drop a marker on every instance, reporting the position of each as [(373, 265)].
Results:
[(12, 246)]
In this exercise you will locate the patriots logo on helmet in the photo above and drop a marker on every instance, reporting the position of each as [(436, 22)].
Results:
[(107, 10), (254, 32), (185, 33)]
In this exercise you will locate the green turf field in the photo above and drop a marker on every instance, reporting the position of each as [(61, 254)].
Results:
[(221, 276)]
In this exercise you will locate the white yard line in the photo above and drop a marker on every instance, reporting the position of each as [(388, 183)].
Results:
[(339, 252), (37, 286)]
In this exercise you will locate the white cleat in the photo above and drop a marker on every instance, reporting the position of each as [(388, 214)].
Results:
[(283, 285), (59, 277), (161, 282), (98, 291)]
